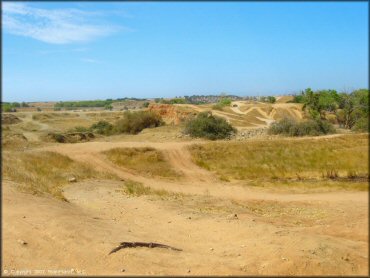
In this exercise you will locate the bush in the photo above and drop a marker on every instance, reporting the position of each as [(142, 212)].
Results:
[(221, 104), (208, 126), (269, 99), (361, 125), (134, 122), (290, 127), (80, 129), (108, 107), (225, 101), (9, 109), (145, 104), (102, 127), (218, 106)]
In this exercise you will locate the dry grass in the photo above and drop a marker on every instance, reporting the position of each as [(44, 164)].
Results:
[(345, 156), (134, 188), (310, 185), (13, 140), (45, 172), (146, 161)]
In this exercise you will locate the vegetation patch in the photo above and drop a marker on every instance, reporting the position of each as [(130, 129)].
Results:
[(223, 102), (85, 103), (45, 172), (134, 122), (102, 127), (12, 140), (9, 119), (205, 125), (71, 137), (290, 127), (344, 156), (12, 106), (137, 189), (351, 110), (146, 161), (300, 185)]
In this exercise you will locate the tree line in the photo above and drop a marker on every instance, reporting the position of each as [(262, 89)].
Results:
[(349, 110)]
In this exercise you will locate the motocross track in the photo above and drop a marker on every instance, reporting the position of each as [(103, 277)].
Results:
[(297, 234)]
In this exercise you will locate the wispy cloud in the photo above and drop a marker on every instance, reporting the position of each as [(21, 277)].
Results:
[(89, 60), (68, 50), (55, 26)]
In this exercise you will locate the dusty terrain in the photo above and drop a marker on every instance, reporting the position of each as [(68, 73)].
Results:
[(223, 228)]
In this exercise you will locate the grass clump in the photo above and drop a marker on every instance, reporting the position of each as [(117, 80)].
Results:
[(45, 172), (134, 122), (290, 127), (333, 158), (205, 125), (146, 161), (137, 189)]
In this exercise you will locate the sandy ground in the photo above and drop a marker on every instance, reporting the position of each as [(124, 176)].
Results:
[(273, 233)]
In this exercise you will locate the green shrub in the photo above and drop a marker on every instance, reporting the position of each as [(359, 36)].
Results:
[(225, 101), (80, 129), (221, 104), (208, 126), (290, 127), (108, 107), (269, 99), (145, 104), (361, 125), (218, 106), (134, 122), (102, 127)]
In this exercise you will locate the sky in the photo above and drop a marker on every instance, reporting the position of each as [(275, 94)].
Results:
[(56, 51)]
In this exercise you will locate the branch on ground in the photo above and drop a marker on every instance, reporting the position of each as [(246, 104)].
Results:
[(142, 244)]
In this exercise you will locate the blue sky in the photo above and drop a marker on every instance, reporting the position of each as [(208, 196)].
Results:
[(81, 50)]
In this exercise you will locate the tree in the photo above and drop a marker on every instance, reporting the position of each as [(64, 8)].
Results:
[(271, 99), (354, 109), (108, 107)]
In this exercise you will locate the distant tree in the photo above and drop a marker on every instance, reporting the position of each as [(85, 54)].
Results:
[(146, 104), (108, 107), (271, 99)]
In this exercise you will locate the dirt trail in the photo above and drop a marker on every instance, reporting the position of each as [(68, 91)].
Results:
[(273, 233), (79, 235), (286, 108), (32, 136), (196, 181)]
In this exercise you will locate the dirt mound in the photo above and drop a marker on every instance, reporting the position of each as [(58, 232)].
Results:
[(284, 99), (172, 114), (72, 137), (48, 116), (9, 119), (14, 140)]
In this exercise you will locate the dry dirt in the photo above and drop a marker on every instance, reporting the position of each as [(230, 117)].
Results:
[(274, 232)]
